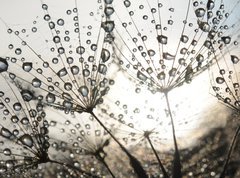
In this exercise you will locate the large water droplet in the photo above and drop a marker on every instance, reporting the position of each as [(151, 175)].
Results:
[(86, 72), (108, 11), (141, 76), (226, 39), (127, 3), (84, 91), (17, 106), (26, 140), (50, 98), (75, 70), (204, 26), (5, 133), (184, 38), (36, 82), (200, 12), (3, 65), (27, 66), (102, 69), (108, 26), (210, 4), (26, 95), (80, 49), (234, 59), (7, 152), (162, 39), (220, 80), (161, 76), (105, 55), (62, 72)]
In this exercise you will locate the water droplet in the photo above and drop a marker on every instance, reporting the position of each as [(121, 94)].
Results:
[(161, 76), (27, 66), (141, 76), (7, 152), (234, 59), (226, 39), (36, 82), (184, 38), (108, 11), (14, 119), (68, 86), (168, 56), (5, 133), (62, 72), (102, 69), (108, 26), (127, 3), (200, 12), (18, 51), (204, 26), (50, 98), (162, 39), (151, 52), (210, 4), (86, 72), (108, 1), (56, 39), (75, 70), (24, 121), (3, 65), (60, 22), (26, 95), (172, 72), (84, 90), (220, 80), (26, 140), (80, 49), (17, 106), (105, 55)]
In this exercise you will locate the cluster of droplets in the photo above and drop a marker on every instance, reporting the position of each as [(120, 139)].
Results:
[(163, 52), (24, 131), (75, 79)]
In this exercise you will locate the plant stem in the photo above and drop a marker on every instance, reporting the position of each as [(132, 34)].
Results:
[(73, 167), (136, 165), (101, 159), (177, 173), (230, 152), (159, 161)]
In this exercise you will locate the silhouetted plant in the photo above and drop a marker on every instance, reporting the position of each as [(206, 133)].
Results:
[(76, 78), (163, 46)]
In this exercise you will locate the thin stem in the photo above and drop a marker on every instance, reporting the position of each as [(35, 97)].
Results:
[(136, 165), (101, 159), (177, 173), (230, 152), (159, 161), (73, 167)]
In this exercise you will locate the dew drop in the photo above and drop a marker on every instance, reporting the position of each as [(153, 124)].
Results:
[(62, 72), (105, 55), (161, 76), (36, 82), (5, 133), (26, 140), (172, 72), (127, 3), (50, 98), (184, 38), (102, 69), (168, 56), (141, 76), (17, 106), (86, 72), (60, 22), (204, 26), (200, 12), (75, 70), (84, 91), (151, 52), (162, 39), (226, 39), (27, 66), (108, 26), (220, 80), (234, 59), (3, 65), (80, 49), (108, 11), (7, 152)]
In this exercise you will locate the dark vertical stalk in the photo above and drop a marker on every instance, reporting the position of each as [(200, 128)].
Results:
[(136, 165), (230, 152), (159, 161), (101, 159), (177, 172)]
